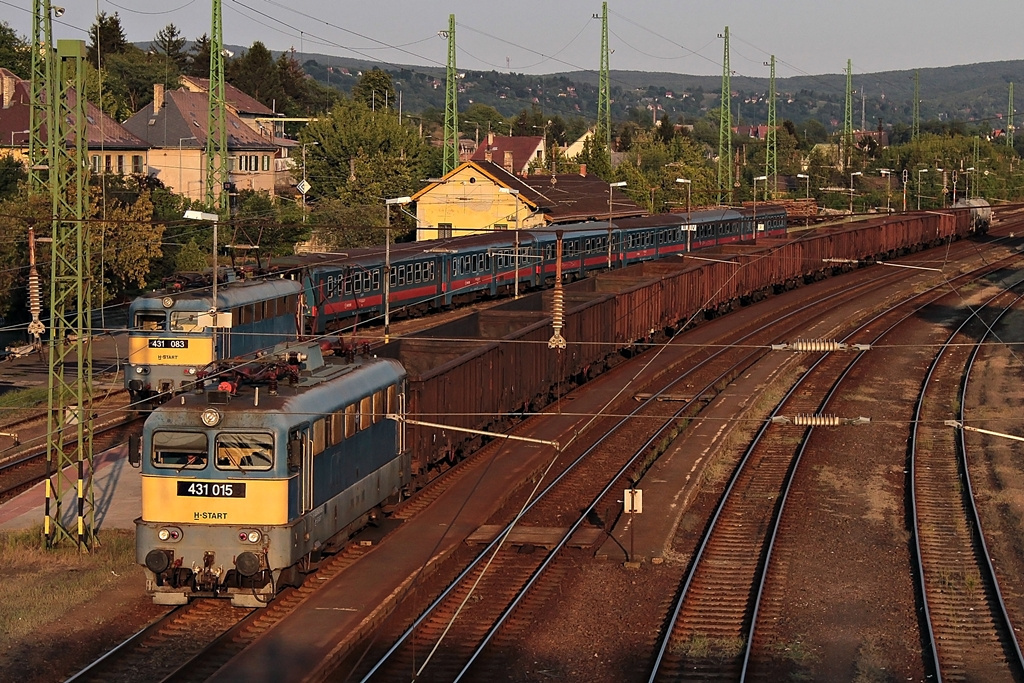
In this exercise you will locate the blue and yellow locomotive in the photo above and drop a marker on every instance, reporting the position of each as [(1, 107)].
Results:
[(173, 335), (241, 488)]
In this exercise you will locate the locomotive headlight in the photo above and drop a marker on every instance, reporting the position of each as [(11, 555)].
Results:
[(142, 370), (254, 537), (190, 371), (169, 534), (167, 302), (211, 417)]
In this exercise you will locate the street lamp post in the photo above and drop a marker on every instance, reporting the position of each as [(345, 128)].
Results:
[(611, 186), (387, 265), (765, 179), (887, 172), (855, 173), (808, 179), (686, 181), (304, 183), (181, 163), (515, 195), (215, 219)]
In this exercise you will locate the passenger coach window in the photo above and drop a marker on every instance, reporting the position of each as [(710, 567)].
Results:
[(185, 321), (245, 451), (180, 450), (151, 322)]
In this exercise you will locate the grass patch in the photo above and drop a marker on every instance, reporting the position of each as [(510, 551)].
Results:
[(701, 646), (42, 585), (24, 398)]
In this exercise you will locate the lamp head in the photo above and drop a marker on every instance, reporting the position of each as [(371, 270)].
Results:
[(57, 11)]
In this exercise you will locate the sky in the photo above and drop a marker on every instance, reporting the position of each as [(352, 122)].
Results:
[(539, 37)]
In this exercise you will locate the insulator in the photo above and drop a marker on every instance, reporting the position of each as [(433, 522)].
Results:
[(815, 345), (34, 306), (816, 420), (557, 317)]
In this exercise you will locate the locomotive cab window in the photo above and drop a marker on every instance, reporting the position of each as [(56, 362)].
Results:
[(155, 321), (245, 451), (185, 321), (180, 450)]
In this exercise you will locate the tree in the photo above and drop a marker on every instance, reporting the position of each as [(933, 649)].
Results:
[(259, 221), (171, 44), (255, 73), (343, 226), (191, 259), (12, 172), (199, 58), (130, 75), (107, 38), (19, 211), (363, 156), (375, 89), (125, 238), (15, 52)]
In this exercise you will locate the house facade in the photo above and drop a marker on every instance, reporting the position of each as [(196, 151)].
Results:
[(111, 148), (175, 127), (482, 196)]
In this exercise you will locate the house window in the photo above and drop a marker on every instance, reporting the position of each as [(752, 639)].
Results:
[(107, 165), (444, 229), (266, 162), (95, 163), (120, 164), (137, 164)]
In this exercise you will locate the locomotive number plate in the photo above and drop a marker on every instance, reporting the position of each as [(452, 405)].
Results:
[(168, 343), (206, 489)]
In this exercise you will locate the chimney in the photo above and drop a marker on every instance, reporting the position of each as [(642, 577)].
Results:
[(583, 170), (158, 98), (509, 165), (487, 153), (490, 139), (8, 85)]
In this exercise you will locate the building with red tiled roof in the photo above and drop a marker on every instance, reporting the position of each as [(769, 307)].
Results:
[(479, 196), (175, 126), (514, 154), (244, 106), (111, 147)]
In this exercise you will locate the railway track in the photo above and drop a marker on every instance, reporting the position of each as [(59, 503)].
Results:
[(513, 577), (528, 601), (715, 623), (969, 632), (711, 623), (26, 467)]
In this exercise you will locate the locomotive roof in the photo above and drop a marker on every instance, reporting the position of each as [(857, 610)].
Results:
[(229, 294), (323, 391)]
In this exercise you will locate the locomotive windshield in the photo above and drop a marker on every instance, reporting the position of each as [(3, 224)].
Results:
[(245, 451), (151, 321), (181, 450), (186, 321)]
